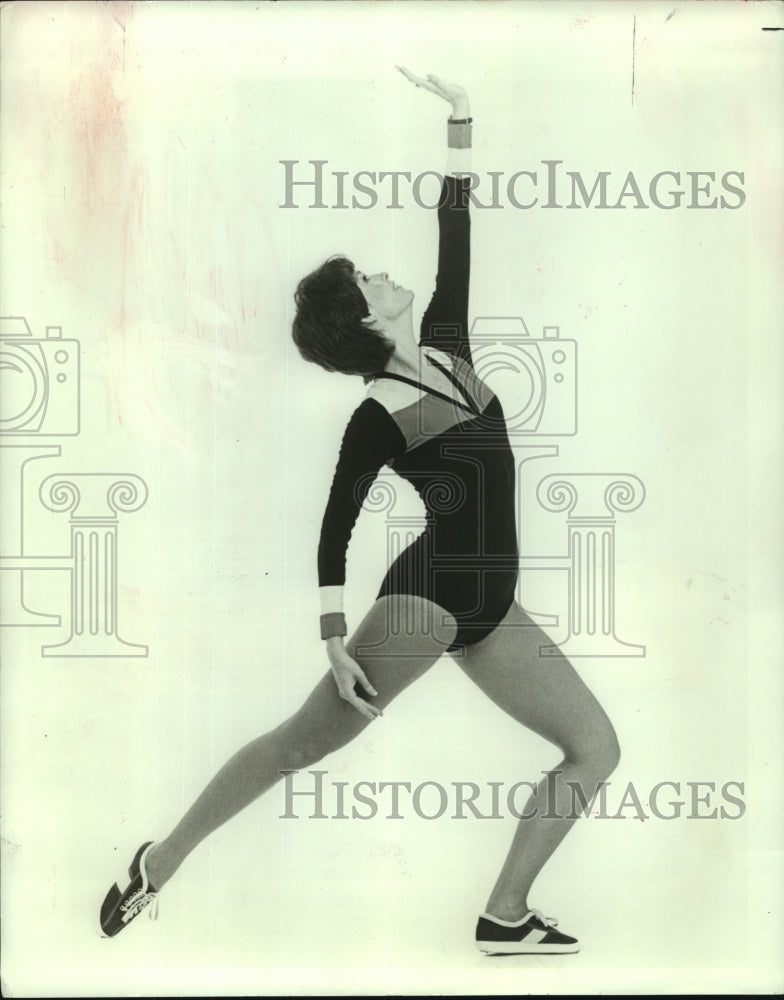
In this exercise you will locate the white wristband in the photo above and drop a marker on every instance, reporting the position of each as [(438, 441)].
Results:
[(331, 600), (458, 162)]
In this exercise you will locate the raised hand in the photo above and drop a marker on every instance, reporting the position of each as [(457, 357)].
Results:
[(453, 93)]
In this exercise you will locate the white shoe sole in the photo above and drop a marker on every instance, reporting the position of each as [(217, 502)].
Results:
[(521, 948)]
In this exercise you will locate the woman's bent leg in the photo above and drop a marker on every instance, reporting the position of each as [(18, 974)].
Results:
[(391, 658), (547, 696)]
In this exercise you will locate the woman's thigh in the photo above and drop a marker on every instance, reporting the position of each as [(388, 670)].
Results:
[(396, 642), (546, 694)]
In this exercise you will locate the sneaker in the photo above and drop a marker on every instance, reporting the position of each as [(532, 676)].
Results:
[(533, 935), (121, 905)]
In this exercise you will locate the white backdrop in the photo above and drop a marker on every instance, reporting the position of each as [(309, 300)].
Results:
[(142, 184)]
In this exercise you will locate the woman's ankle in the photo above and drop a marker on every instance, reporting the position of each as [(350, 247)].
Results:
[(160, 865), (508, 910)]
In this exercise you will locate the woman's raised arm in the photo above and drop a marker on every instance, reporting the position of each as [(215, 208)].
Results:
[(445, 323)]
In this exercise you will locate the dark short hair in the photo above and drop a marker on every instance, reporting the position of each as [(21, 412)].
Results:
[(328, 327)]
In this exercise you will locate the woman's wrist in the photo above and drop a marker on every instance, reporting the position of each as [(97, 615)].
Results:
[(333, 623), (461, 108)]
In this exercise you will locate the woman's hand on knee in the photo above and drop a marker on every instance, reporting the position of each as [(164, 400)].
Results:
[(348, 673)]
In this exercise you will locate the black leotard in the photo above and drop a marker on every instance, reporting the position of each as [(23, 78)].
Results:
[(454, 451)]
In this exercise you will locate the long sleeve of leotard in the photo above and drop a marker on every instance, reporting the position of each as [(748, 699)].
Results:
[(445, 323), (370, 440)]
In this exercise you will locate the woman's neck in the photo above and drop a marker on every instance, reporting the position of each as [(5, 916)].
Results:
[(406, 358)]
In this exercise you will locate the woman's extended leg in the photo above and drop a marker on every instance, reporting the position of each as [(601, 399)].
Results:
[(547, 696), (390, 659)]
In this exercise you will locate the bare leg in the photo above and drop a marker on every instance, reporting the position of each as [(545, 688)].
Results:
[(547, 696), (323, 724)]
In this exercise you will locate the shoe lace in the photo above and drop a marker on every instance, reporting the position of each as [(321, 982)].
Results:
[(134, 905), (547, 921)]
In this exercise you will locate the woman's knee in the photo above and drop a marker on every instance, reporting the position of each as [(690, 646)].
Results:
[(609, 755), (301, 755), (303, 744), (598, 749)]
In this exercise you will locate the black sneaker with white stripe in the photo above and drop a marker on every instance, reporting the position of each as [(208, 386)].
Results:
[(533, 935), (121, 905)]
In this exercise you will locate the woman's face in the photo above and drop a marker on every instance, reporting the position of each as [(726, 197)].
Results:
[(386, 300)]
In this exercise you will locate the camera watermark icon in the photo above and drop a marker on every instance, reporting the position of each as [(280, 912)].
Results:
[(39, 387), (535, 377)]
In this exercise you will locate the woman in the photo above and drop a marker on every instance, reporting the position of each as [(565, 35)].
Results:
[(428, 416)]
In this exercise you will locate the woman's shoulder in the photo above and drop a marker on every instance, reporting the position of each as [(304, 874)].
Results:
[(391, 394), (372, 424)]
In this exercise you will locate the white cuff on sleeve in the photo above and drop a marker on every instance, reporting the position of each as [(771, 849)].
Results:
[(458, 161), (331, 599)]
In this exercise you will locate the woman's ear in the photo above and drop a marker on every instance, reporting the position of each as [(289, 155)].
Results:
[(370, 320)]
